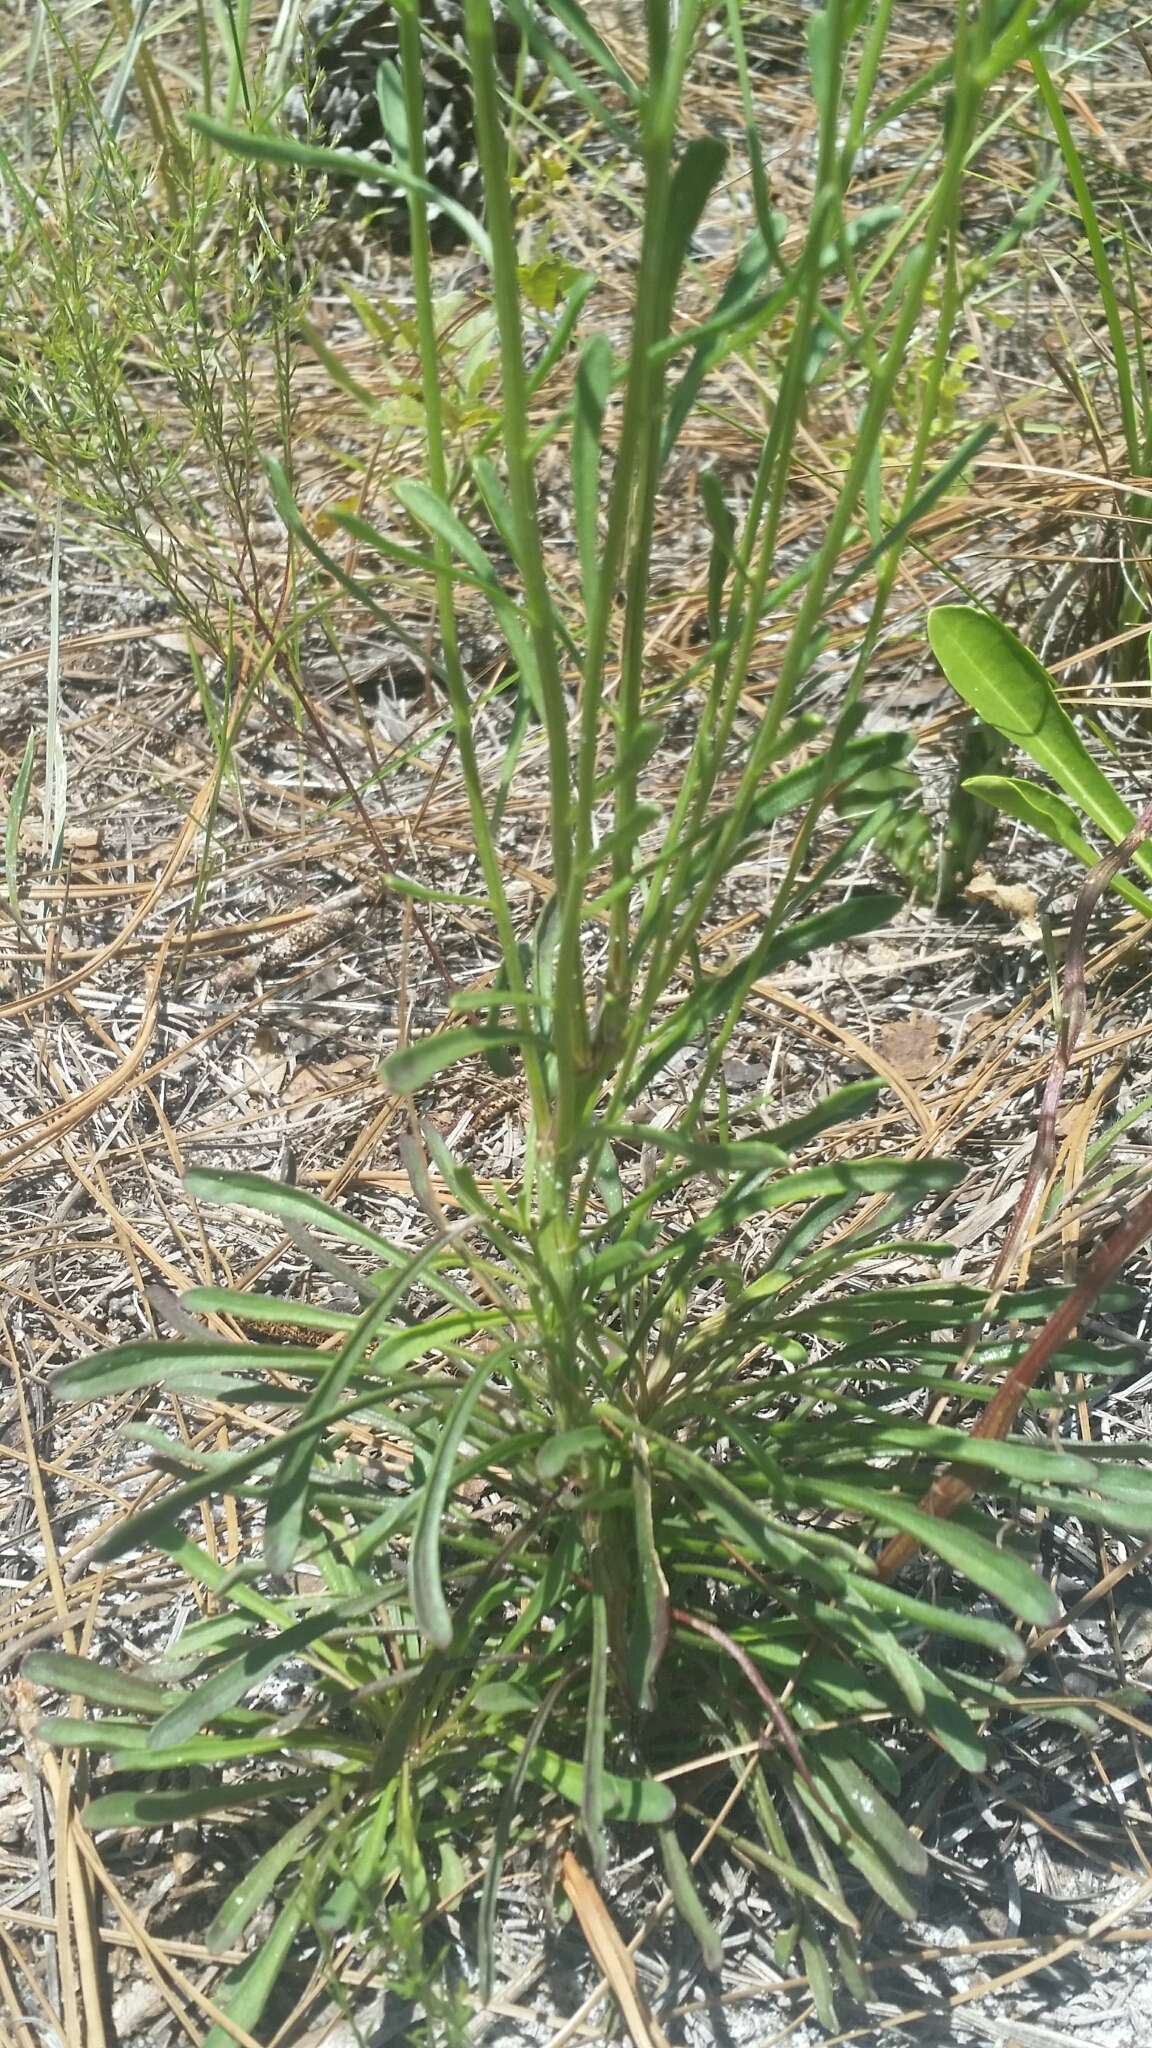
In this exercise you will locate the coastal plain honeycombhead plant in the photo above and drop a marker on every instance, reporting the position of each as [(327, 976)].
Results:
[(676, 1621)]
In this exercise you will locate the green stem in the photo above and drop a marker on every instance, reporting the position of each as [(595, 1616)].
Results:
[(412, 66), (569, 1012), (668, 954)]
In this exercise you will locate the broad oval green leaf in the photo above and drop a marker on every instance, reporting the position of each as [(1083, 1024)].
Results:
[(1010, 690), (504, 1696), (566, 1447)]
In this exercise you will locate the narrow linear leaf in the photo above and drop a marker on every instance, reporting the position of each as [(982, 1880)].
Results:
[(225, 1688), (444, 524), (1048, 813), (288, 1495), (128, 1743), (999, 1571), (870, 1812), (791, 1875), (179, 1364), (694, 180), (246, 1992), (593, 384), (650, 1636), (252, 1890), (594, 48), (276, 1198), (592, 1804), (722, 526), (953, 1621), (338, 163), (17, 807), (642, 1800), (687, 1900), (407, 1070), (264, 1308), (509, 1803), (65, 1673), (712, 997), (161, 1809), (426, 1586)]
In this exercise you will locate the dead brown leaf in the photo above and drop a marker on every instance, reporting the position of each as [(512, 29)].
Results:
[(911, 1044), (1013, 899)]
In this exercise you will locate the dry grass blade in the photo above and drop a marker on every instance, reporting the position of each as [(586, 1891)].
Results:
[(68, 1116), (609, 1953), (77, 1947)]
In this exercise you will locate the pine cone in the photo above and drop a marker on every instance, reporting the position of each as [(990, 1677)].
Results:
[(342, 45)]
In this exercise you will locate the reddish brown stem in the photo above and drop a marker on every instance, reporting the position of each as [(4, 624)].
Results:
[(763, 1692), (951, 1490), (1074, 1007)]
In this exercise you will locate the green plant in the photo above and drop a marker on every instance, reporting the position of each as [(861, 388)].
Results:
[(1012, 693), (150, 292), (670, 1349)]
